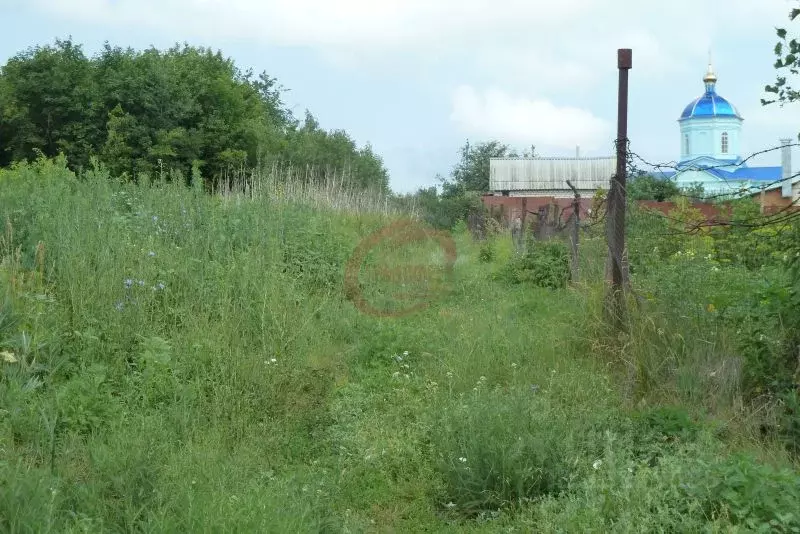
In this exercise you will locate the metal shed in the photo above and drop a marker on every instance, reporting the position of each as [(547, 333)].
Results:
[(548, 176)]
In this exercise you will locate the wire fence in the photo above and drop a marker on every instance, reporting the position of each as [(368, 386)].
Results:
[(785, 214), (596, 217)]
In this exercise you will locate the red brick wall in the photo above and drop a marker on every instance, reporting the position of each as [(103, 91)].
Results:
[(711, 212), (773, 201), (513, 206)]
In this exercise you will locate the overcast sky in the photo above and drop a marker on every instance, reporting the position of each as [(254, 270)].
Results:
[(416, 78)]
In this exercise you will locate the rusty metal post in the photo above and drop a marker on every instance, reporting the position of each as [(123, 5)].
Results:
[(616, 197)]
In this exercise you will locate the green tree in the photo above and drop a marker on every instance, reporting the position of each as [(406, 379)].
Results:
[(47, 96), (461, 192), (471, 173), (186, 108), (787, 52), (645, 186)]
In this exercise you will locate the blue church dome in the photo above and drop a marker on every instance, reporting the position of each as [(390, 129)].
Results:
[(710, 104)]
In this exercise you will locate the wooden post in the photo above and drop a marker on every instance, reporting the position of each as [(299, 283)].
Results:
[(524, 222), (576, 223)]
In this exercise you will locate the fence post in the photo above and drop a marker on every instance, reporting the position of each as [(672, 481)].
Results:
[(576, 224), (616, 197)]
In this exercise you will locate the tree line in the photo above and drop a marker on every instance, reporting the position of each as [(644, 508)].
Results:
[(144, 111)]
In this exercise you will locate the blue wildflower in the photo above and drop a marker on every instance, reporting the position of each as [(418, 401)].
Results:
[(119, 306), (151, 254), (128, 283)]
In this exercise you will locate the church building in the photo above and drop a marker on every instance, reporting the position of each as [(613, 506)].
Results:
[(710, 155)]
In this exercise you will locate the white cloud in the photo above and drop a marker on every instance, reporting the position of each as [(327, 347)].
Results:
[(572, 41), (519, 120), (541, 43), (763, 128), (349, 23)]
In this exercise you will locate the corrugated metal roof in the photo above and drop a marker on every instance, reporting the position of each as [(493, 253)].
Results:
[(535, 174)]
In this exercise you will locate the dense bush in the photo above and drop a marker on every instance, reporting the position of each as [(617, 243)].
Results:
[(753, 495), (497, 449), (543, 264)]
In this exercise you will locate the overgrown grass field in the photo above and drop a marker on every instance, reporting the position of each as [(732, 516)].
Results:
[(174, 361)]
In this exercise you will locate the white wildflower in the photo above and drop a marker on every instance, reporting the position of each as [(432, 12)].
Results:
[(597, 464)]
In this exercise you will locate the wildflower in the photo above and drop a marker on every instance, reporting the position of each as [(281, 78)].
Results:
[(128, 283), (449, 374), (273, 360), (155, 218), (513, 365), (597, 463), (151, 254), (450, 504), (119, 305), (534, 388), (462, 460), (405, 353), (711, 308), (8, 357), (141, 283)]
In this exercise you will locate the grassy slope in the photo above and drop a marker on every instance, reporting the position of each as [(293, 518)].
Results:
[(154, 409)]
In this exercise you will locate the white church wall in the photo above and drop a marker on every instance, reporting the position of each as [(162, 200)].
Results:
[(711, 184), (705, 138)]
